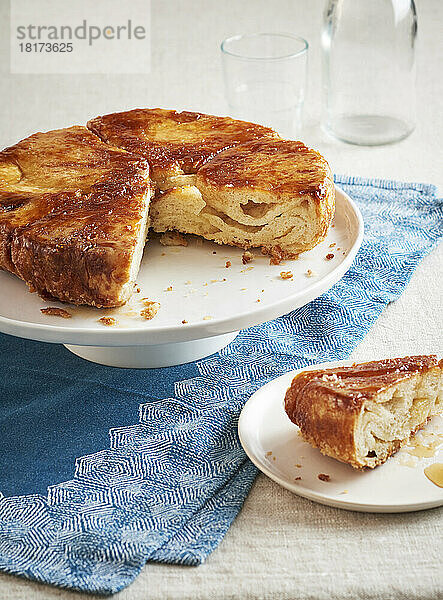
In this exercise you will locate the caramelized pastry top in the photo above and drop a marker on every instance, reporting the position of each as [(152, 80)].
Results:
[(282, 166), (167, 137), (67, 185), (352, 385)]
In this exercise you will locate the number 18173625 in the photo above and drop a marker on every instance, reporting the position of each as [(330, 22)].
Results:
[(46, 47)]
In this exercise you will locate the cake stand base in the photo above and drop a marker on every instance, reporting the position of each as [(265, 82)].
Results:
[(154, 356)]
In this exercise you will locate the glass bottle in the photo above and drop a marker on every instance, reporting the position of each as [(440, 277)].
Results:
[(369, 70)]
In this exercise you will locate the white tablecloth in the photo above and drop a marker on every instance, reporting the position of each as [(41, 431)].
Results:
[(280, 546)]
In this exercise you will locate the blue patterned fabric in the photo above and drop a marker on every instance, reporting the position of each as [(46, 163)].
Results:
[(168, 483)]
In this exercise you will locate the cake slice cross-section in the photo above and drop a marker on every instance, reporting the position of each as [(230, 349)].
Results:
[(364, 413), (73, 216)]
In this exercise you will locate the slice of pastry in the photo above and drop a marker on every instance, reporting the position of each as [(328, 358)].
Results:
[(73, 216), (176, 144), (269, 193), (363, 414), (229, 181)]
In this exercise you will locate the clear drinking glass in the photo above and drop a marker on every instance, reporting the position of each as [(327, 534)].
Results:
[(265, 79), (369, 70)]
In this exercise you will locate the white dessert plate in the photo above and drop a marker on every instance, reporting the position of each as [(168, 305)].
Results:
[(275, 446), (203, 303)]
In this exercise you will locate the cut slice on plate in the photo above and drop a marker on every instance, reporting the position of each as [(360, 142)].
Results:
[(362, 414), (73, 216)]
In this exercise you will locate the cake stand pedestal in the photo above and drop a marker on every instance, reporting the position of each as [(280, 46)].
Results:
[(155, 356)]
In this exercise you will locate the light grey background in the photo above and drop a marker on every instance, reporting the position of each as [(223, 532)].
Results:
[(280, 546)]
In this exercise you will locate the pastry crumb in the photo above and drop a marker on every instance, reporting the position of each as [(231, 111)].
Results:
[(151, 310), (276, 258), (184, 321), (109, 321), (329, 256), (188, 282), (207, 318), (228, 264), (332, 245), (286, 275), (224, 279), (344, 492), (277, 255), (310, 273), (324, 477), (258, 300), (173, 238), (298, 466), (269, 453), (148, 301), (53, 311), (247, 256), (273, 458), (297, 478), (169, 289)]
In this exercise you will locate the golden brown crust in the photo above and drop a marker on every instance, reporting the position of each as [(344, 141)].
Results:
[(280, 166), (71, 209), (353, 385), (326, 404), (168, 139)]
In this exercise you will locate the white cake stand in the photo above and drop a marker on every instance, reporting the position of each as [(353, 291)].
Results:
[(203, 302)]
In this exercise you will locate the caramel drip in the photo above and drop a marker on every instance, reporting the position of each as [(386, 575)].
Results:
[(435, 473)]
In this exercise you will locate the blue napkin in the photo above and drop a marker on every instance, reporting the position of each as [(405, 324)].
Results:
[(166, 484)]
